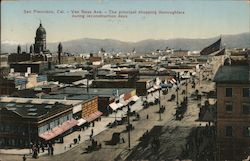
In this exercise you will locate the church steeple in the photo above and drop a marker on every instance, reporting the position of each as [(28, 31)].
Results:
[(18, 49)]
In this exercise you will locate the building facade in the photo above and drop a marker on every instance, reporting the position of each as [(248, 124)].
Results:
[(233, 112)]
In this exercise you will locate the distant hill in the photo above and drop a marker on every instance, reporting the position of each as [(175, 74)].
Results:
[(86, 45)]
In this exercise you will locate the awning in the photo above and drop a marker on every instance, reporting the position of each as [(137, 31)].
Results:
[(185, 76), (166, 85), (119, 105), (93, 116), (56, 131), (81, 121), (156, 87), (134, 98), (124, 103), (114, 106), (151, 89)]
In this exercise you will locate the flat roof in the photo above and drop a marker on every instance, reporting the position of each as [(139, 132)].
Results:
[(38, 100), (68, 96), (83, 94), (77, 73), (232, 74), (31, 110)]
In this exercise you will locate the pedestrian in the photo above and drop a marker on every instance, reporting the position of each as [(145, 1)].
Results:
[(92, 131), (90, 137), (38, 148), (79, 137), (52, 150), (147, 116), (42, 146), (49, 150), (24, 157), (123, 140)]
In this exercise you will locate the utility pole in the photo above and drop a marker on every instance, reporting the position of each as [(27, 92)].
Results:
[(128, 113), (186, 87), (177, 96), (160, 104), (199, 76), (187, 91), (177, 89), (29, 139)]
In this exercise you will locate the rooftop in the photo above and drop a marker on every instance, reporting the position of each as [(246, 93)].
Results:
[(38, 101), (77, 93), (232, 74), (30, 110)]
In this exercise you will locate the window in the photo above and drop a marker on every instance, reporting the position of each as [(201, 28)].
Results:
[(246, 131), (245, 92), (246, 108), (229, 107), (229, 131), (229, 92)]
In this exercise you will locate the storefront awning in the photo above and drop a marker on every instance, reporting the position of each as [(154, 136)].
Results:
[(56, 131), (134, 98), (151, 89), (81, 121), (156, 87), (124, 103), (93, 116), (119, 105), (114, 106)]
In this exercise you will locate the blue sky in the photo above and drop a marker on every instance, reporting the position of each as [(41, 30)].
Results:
[(201, 19)]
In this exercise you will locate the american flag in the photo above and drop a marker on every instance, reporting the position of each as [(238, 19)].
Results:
[(211, 48)]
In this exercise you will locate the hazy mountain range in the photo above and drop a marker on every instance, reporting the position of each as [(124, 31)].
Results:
[(87, 45)]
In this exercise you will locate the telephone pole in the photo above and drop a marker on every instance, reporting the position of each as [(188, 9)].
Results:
[(128, 113), (160, 104)]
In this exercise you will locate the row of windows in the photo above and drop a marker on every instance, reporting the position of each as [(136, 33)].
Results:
[(245, 92), (229, 131), (245, 108), (54, 123), (23, 130), (13, 142)]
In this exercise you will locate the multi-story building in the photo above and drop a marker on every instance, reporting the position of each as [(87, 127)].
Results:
[(24, 121), (30, 120), (233, 111)]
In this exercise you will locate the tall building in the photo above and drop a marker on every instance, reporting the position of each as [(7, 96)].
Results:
[(40, 39), (233, 110)]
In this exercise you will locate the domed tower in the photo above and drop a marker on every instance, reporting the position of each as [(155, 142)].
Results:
[(40, 39)]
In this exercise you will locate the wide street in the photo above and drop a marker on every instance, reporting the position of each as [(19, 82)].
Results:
[(172, 134)]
